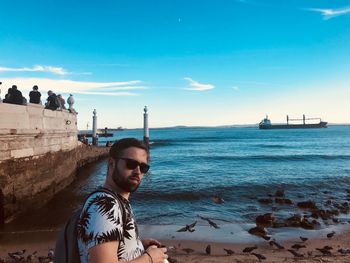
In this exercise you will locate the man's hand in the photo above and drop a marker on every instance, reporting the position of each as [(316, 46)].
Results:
[(150, 242), (157, 254)]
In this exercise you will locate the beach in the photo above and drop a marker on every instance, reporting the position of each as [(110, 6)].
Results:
[(42, 242), (293, 183)]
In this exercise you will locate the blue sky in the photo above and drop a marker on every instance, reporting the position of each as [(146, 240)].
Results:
[(191, 62)]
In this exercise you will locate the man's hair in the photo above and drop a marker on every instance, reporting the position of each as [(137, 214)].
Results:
[(35, 87), (118, 147)]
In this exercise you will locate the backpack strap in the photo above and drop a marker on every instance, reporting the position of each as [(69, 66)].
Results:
[(116, 196)]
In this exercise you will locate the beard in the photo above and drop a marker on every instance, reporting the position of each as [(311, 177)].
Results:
[(124, 183)]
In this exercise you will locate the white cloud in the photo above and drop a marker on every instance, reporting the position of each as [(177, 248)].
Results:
[(74, 87), (235, 88), (198, 86), (107, 93), (330, 13), (37, 68)]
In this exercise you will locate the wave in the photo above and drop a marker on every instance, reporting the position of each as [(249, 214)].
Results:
[(171, 196), (277, 158), (241, 193), (161, 215), (188, 139), (275, 146)]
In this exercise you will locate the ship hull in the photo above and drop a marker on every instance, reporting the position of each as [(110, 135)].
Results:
[(293, 126)]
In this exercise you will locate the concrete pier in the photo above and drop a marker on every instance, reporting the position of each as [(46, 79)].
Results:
[(39, 155)]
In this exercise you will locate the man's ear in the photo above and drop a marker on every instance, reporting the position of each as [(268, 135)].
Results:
[(111, 165)]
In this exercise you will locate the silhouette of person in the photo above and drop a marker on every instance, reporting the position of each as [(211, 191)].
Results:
[(35, 95)]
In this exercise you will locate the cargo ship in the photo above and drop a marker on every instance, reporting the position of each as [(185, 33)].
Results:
[(266, 124)]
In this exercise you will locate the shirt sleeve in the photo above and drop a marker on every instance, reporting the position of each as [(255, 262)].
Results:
[(100, 220)]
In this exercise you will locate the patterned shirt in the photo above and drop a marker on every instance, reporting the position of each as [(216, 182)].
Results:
[(102, 220)]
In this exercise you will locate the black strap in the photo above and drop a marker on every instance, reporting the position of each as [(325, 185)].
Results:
[(117, 197)]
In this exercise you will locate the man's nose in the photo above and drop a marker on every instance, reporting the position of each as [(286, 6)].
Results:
[(137, 170)]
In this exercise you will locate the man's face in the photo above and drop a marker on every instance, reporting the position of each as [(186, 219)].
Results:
[(125, 178)]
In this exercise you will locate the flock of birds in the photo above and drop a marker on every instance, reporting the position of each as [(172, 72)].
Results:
[(294, 249), (21, 256)]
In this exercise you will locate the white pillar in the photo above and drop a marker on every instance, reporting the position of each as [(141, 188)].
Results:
[(145, 127), (94, 127)]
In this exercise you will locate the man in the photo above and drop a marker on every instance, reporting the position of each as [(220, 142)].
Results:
[(34, 95), (70, 102), (107, 231), (15, 96), (52, 101), (61, 102)]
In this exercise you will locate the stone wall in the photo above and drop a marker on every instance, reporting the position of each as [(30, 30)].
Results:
[(39, 155), (31, 130)]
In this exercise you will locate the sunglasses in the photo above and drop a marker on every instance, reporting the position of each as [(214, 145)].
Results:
[(132, 164)]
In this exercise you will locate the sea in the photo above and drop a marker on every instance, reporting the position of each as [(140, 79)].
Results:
[(191, 165)]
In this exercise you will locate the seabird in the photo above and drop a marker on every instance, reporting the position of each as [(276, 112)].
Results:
[(211, 223), (208, 250), (189, 228), (297, 246), (324, 251), (330, 235), (51, 254), (188, 250), (16, 257), (229, 251), (259, 256), (218, 200), (296, 254), (344, 251), (32, 256), (303, 238), (249, 249), (273, 242)]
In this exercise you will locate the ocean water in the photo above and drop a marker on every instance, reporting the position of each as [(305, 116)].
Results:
[(191, 165)]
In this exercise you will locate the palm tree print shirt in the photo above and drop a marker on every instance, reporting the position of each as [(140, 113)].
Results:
[(102, 220)]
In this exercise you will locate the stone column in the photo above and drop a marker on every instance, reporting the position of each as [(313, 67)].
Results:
[(94, 128), (145, 127)]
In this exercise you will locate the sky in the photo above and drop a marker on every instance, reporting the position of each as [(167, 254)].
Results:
[(191, 62)]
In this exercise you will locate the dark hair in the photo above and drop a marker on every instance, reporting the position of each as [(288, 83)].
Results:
[(119, 146), (35, 87)]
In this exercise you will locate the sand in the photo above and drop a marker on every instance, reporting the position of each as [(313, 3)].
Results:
[(43, 241)]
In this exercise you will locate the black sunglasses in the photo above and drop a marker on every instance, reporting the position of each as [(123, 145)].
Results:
[(132, 164)]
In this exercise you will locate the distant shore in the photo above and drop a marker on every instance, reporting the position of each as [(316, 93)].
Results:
[(191, 251)]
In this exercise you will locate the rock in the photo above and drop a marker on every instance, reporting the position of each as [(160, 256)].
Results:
[(265, 200), (293, 221), (258, 231), (315, 222), (266, 219), (279, 224), (283, 201), (306, 224), (279, 193), (336, 220), (307, 205), (328, 202)]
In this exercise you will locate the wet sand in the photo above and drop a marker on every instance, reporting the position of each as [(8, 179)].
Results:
[(43, 241)]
